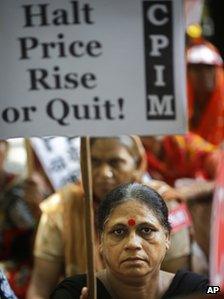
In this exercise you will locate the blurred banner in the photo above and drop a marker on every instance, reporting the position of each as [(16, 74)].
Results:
[(94, 67), (59, 157), (180, 218), (217, 234)]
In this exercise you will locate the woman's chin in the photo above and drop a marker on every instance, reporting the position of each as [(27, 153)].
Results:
[(134, 272)]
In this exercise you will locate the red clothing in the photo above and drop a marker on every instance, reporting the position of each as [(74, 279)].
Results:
[(211, 121), (7, 180), (183, 156), (17, 226), (211, 125)]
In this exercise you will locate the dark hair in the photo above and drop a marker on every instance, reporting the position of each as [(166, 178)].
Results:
[(135, 191)]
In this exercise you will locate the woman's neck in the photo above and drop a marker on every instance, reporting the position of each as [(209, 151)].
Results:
[(152, 286), (202, 98), (200, 105)]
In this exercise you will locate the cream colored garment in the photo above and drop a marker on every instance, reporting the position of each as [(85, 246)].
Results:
[(60, 236), (48, 242)]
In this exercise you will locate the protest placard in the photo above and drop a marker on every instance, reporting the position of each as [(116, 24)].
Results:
[(94, 67), (60, 159)]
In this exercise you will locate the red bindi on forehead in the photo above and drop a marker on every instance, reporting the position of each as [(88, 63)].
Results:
[(131, 222)]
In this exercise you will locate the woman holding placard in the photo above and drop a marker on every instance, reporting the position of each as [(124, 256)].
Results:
[(134, 237)]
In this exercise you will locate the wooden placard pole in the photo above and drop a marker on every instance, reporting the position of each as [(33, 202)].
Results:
[(89, 220), (30, 158)]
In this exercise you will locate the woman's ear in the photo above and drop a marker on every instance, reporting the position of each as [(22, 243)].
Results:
[(101, 245), (101, 248), (167, 242)]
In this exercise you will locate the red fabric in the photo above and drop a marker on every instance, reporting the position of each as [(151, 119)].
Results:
[(183, 156), (19, 279), (8, 237), (211, 124), (17, 272), (7, 180)]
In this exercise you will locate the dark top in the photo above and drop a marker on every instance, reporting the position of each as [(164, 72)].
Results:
[(183, 283)]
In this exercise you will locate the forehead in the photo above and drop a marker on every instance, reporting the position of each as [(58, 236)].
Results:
[(201, 67), (132, 209), (108, 148)]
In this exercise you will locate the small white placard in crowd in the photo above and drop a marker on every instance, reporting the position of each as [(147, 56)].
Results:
[(59, 157)]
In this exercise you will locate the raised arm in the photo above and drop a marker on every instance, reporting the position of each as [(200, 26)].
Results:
[(48, 252), (45, 277)]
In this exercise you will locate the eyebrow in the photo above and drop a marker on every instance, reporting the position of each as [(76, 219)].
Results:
[(149, 224), (126, 225), (118, 224)]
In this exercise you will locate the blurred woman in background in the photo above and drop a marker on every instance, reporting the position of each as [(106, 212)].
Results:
[(205, 90)]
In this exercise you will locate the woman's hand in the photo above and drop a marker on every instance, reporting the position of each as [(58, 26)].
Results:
[(84, 293)]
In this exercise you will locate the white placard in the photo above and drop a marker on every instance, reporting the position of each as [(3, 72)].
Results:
[(96, 67), (60, 159)]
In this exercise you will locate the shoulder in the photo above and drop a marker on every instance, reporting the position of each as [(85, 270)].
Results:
[(167, 192), (70, 287), (55, 202), (186, 282), (76, 282), (55, 208), (196, 281)]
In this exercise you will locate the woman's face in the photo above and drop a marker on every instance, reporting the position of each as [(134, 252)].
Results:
[(133, 242), (202, 77), (112, 165)]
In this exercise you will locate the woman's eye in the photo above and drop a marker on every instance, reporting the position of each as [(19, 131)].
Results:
[(115, 163), (95, 162), (118, 232), (146, 230)]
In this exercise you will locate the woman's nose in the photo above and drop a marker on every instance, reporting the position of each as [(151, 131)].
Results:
[(133, 242), (105, 171)]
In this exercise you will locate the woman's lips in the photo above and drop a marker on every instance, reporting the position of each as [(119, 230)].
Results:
[(105, 186), (134, 259)]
